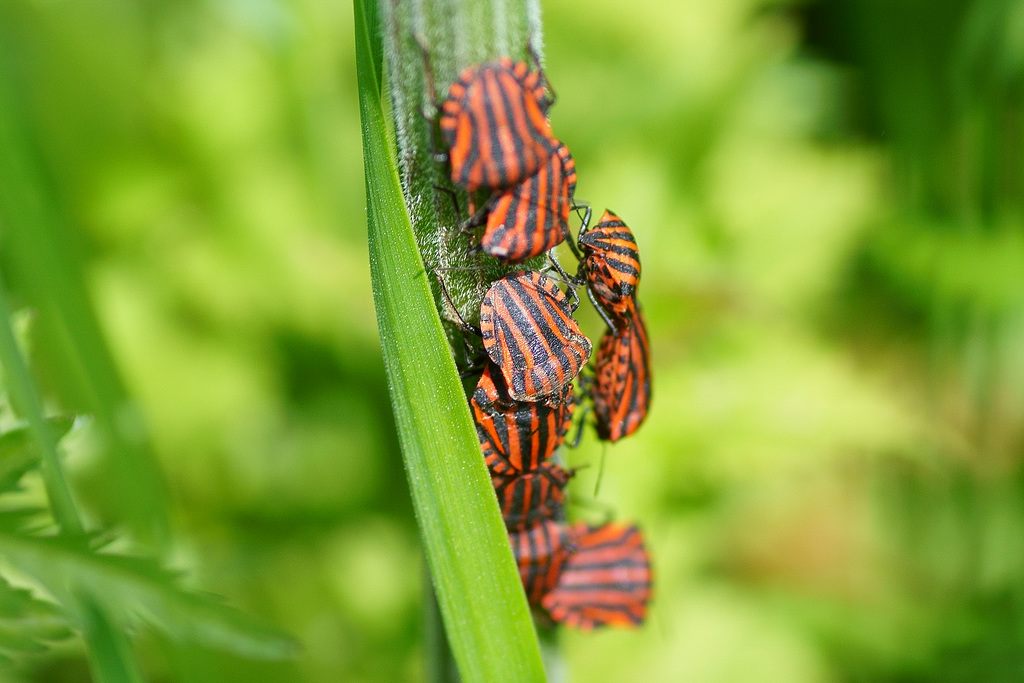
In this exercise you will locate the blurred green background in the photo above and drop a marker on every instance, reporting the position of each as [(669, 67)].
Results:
[(828, 200)]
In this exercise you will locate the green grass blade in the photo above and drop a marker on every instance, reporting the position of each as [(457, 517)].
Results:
[(485, 613)]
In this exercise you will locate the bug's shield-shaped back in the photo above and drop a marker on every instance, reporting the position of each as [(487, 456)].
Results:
[(611, 265), (529, 332), (494, 126)]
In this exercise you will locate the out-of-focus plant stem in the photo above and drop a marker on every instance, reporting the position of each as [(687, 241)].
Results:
[(25, 397)]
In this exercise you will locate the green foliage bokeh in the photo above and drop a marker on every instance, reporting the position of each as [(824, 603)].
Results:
[(827, 201)]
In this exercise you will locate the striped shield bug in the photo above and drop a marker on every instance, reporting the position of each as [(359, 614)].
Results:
[(605, 580), (517, 437), (621, 389), (531, 497), (540, 552), (528, 331), (611, 268), (532, 217), (495, 126)]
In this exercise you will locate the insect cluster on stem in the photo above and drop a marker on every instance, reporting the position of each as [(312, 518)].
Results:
[(501, 151)]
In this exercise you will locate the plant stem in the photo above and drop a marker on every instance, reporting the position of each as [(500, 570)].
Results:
[(111, 659)]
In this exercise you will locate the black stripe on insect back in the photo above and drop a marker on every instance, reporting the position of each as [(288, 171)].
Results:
[(516, 119), (617, 586), (600, 236), (494, 95), (531, 427), (610, 221), (626, 267), (506, 341), (613, 244), (614, 564), (542, 203), (506, 159)]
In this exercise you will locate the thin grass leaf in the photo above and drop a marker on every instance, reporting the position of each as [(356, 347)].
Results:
[(111, 659), (485, 613), (130, 589)]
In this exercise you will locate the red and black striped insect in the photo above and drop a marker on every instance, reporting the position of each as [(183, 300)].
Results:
[(532, 496), (621, 389), (540, 552), (515, 436), (611, 268), (604, 581), (528, 331), (495, 126), (532, 217)]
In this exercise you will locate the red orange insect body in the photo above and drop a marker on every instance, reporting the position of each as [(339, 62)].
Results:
[(540, 552), (495, 126), (528, 331), (531, 497), (611, 266), (515, 436), (621, 391), (604, 581), (529, 218)]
